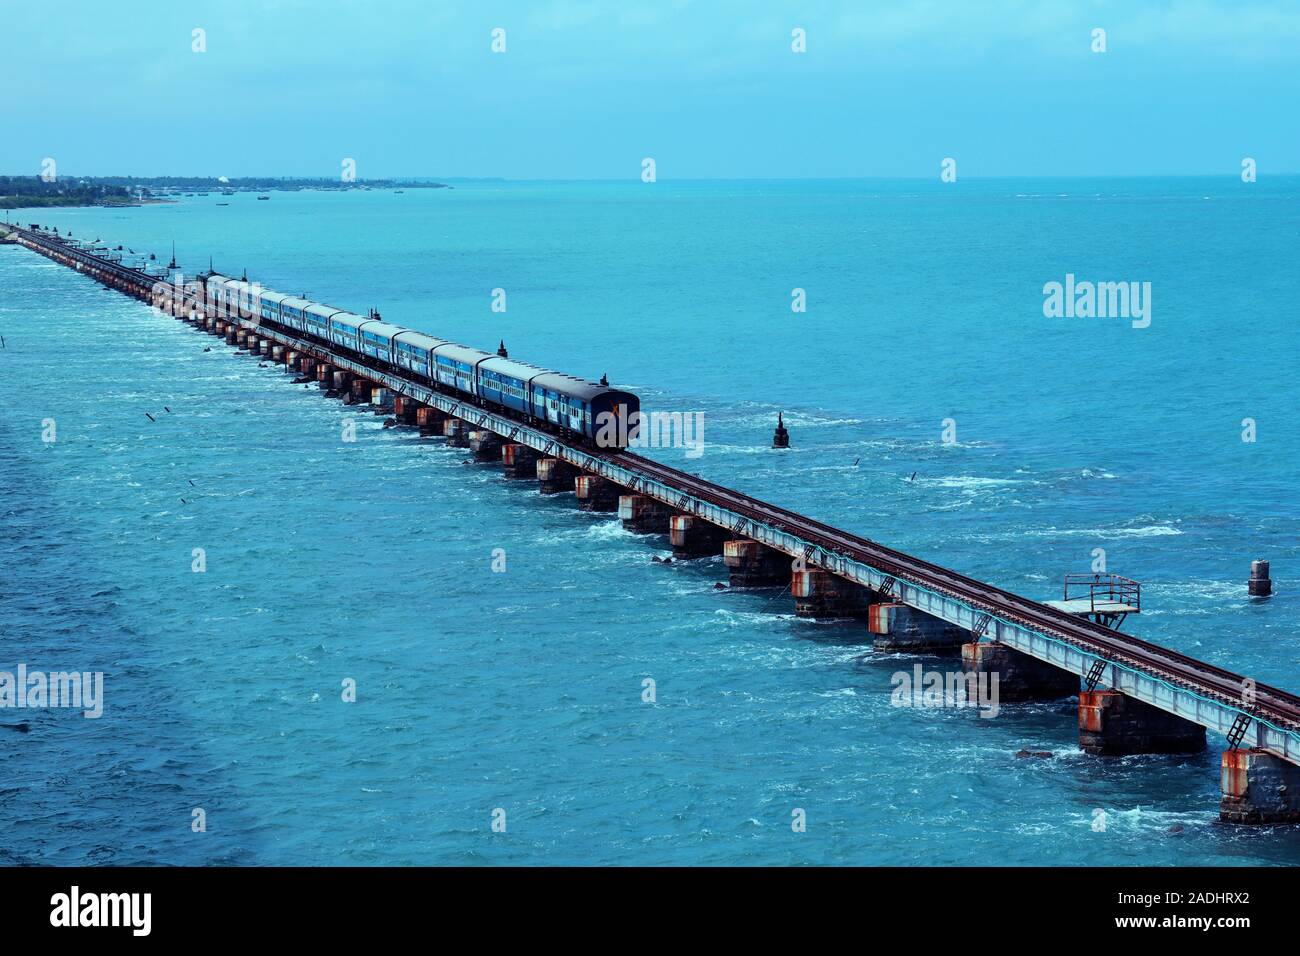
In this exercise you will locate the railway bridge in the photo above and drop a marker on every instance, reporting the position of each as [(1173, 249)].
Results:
[(1134, 696)]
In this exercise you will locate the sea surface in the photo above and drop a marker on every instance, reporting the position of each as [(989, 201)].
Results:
[(520, 695)]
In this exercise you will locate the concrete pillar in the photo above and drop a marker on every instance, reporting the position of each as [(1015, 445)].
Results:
[(307, 367), (643, 514), (1112, 724), (753, 565), (520, 461), (358, 392), (457, 432), (693, 537), (1020, 677), (900, 628), (382, 398), (1258, 788), (405, 409), (241, 339), (486, 445), (325, 375), (266, 346), (430, 420), (1260, 584), (232, 335), (596, 493), (819, 593), (555, 476), (340, 382), (291, 360), (277, 353)]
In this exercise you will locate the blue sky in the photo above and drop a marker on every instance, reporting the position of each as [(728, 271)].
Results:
[(587, 88)]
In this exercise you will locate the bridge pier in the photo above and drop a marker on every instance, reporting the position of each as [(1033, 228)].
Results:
[(753, 565), (693, 537), (382, 399), (485, 445), (900, 628), (325, 375), (596, 493), (431, 420), (1112, 724), (456, 432), (642, 514), (555, 476), (1258, 788), (1020, 677), (358, 392), (819, 593), (405, 410), (519, 461)]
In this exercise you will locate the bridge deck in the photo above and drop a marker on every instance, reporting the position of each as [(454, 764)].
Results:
[(1203, 693)]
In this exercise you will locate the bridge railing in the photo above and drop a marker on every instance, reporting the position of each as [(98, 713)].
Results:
[(1103, 588)]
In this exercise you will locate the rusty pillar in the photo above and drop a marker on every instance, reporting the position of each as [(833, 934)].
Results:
[(520, 461), (1258, 788), (643, 514), (555, 476), (1019, 676), (899, 628), (753, 565), (596, 493), (693, 537), (1113, 725), (819, 593), (486, 445)]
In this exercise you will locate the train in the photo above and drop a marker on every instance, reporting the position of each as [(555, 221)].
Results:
[(596, 413)]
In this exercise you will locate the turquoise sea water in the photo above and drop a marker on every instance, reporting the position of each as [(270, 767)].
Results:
[(522, 690)]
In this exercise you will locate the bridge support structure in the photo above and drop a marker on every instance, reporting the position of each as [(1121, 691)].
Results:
[(596, 493), (519, 461), (819, 594), (431, 420), (753, 565), (555, 476), (485, 445), (1113, 724), (899, 628), (1021, 678), (1258, 788), (456, 431), (642, 514), (693, 537)]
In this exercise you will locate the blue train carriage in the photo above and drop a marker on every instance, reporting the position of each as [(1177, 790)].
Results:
[(269, 304), (507, 383), (376, 339), (316, 317), (344, 328), (454, 366), (218, 297), (607, 416), (413, 351)]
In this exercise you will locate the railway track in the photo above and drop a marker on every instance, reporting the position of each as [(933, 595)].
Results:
[(1115, 646)]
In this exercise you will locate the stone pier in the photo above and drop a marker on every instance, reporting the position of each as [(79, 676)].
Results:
[(1020, 676), (1114, 725), (900, 628), (307, 367), (643, 514), (340, 382), (485, 445), (1258, 788), (431, 420), (456, 432), (819, 593), (359, 392), (694, 537), (382, 399), (555, 476), (519, 461), (406, 410), (596, 493), (753, 565)]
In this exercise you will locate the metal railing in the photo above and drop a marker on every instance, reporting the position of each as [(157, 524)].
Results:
[(1103, 588)]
